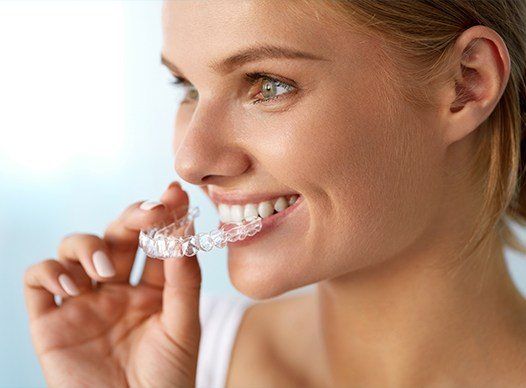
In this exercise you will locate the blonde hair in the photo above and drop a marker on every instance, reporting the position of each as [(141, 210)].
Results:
[(422, 33)]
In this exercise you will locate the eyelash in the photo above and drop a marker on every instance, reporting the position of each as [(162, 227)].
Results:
[(252, 78)]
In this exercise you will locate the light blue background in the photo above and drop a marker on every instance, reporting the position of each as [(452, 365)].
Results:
[(85, 130), (86, 117)]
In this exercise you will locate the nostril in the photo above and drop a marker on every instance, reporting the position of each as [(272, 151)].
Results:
[(206, 179)]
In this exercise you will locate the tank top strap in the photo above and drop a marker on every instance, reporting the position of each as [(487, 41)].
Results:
[(220, 317)]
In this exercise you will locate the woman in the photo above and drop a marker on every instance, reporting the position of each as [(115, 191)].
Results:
[(398, 127)]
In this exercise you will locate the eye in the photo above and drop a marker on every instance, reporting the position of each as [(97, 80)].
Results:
[(270, 87), (179, 82)]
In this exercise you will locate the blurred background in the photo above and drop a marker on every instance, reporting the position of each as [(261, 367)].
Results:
[(86, 114)]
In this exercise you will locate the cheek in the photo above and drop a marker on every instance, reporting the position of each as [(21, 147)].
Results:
[(371, 175), (387, 193), (382, 183)]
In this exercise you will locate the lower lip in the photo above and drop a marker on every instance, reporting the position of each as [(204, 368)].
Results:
[(268, 224)]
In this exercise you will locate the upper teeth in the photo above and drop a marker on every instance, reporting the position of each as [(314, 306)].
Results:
[(238, 213)]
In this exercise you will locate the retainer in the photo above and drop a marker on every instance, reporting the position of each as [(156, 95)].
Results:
[(174, 240)]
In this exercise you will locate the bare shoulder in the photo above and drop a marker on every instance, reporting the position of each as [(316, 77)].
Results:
[(270, 343)]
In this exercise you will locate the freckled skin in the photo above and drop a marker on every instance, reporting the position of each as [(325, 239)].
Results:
[(336, 142), (387, 202)]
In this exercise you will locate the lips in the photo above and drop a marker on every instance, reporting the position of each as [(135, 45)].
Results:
[(237, 197)]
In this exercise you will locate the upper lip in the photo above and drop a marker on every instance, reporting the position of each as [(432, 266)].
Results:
[(240, 198)]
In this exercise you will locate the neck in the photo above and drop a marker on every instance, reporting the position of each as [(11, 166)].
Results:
[(413, 321)]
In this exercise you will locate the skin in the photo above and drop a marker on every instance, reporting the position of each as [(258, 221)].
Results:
[(386, 207)]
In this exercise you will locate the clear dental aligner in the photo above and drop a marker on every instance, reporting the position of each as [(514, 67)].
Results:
[(169, 242)]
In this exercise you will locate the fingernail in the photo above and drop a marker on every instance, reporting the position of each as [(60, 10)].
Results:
[(149, 205), (68, 285), (103, 265)]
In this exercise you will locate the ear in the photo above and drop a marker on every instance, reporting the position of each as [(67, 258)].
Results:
[(481, 73)]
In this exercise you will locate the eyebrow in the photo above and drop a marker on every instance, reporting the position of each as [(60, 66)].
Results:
[(250, 54)]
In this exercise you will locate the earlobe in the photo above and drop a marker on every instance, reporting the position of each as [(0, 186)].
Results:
[(481, 73)]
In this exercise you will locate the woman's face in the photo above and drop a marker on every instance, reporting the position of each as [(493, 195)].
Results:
[(335, 131)]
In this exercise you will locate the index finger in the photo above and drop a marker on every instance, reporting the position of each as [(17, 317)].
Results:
[(153, 271), (124, 231)]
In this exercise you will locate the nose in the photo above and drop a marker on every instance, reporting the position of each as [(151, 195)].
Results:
[(208, 151)]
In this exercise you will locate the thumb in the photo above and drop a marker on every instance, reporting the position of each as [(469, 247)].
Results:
[(181, 292)]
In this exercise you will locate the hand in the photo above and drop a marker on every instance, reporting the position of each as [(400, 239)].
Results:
[(108, 332)]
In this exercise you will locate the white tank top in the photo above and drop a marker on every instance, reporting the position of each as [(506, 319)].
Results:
[(220, 317)]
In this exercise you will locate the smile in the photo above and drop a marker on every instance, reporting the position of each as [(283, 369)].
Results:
[(238, 207), (263, 209)]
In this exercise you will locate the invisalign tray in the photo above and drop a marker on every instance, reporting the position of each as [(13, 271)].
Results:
[(167, 242)]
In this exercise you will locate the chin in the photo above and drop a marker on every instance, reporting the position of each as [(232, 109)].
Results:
[(264, 275), (258, 284), (259, 277), (268, 264)]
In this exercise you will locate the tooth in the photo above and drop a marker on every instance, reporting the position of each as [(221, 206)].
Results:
[(293, 199), (265, 209), (236, 213), (224, 212), (281, 204), (251, 211)]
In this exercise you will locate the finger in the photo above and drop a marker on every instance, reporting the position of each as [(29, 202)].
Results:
[(44, 280), (153, 273), (176, 200), (93, 254), (180, 314), (123, 233), (78, 274)]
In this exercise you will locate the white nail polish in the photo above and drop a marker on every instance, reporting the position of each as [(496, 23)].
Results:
[(149, 205), (103, 265), (68, 285)]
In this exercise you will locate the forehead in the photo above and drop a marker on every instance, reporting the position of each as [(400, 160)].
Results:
[(197, 32)]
